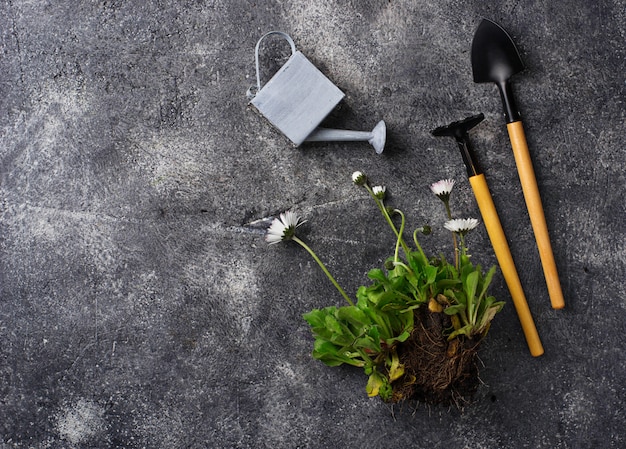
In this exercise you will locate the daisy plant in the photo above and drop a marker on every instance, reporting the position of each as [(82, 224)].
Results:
[(370, 331)]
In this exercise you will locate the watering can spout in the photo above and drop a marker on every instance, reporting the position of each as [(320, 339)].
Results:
[(376, 137)]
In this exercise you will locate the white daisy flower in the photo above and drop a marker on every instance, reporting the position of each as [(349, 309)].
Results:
[(283, 228), (379, 191), (359, 178), (461, 225), (442, 188)]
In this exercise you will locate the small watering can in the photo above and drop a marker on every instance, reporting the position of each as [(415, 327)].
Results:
[(298, 97)]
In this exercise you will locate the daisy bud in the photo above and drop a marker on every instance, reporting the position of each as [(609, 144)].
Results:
[(425, 230), (359, 178), (379, 192)]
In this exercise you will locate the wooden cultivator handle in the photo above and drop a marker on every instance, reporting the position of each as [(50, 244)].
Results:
[(535, 211), (505, 260)]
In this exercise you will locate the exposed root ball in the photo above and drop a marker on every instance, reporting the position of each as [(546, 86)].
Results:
[(437, 371)]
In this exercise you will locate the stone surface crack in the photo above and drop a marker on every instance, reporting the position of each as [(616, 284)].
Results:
[(18, 45)]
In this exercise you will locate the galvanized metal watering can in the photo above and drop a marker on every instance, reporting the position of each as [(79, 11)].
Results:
[(299, 97)]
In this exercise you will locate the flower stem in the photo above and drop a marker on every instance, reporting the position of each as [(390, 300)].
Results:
[(448, 211), (399, 235), (324, 269), (463, 246), (456, 247), (417, 244), (383, 210)]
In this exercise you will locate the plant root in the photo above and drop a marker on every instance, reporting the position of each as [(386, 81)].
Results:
[(437, 371)]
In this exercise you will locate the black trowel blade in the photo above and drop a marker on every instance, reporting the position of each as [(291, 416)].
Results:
[(494, 55)]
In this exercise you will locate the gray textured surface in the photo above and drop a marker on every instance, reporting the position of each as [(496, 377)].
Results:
[(140, 306)]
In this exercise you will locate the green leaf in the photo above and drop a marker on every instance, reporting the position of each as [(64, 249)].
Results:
[(315, 317), (487, 281), (323, 333), (331, 323), (465, 330), (471, 282), (402, 337), (377, 274), (431, 274), (370, 339), (409, 309), (327, 352), (386, 298), (456, 296), (399, 271), (342, 339), (368, 343), (453, 310), (470, 286), (354, 316), (447, 283), (333, 355), (361, 293), (373, 297), (398, 283)]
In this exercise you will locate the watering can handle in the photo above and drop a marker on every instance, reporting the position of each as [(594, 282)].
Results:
[(256, 55)]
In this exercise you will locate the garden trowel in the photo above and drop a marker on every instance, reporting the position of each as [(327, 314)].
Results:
[(495, 59)]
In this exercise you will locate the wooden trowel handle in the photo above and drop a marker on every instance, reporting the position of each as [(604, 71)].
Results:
[(535, 211), (505, 260)]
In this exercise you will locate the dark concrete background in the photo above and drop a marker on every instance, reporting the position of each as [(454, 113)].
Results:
[(140, 306)]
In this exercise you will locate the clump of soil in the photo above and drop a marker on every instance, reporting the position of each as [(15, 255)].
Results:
[(437, 371)]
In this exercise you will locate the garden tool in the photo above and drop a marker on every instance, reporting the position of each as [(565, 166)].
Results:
[(459, 130), (298, 97), (495, 59)]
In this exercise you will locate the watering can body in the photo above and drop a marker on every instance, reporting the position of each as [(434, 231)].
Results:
[(297, 98)]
